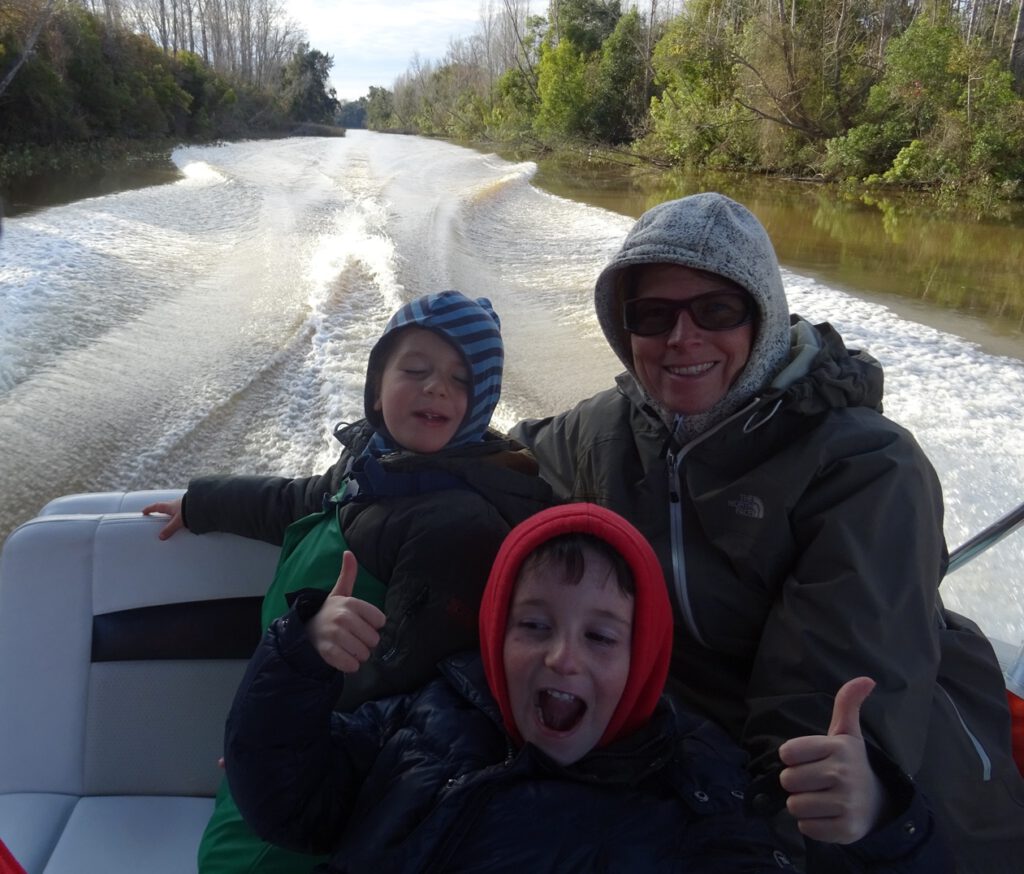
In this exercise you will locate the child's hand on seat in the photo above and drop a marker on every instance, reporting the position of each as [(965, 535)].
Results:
[(344, 631), (834, 794), (168, 508)]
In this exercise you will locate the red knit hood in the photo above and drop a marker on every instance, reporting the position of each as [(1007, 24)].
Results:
[(652, 613)]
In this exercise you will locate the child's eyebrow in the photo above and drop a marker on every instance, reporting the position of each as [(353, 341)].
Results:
[(614, 617), (529, 602), (596, 614)]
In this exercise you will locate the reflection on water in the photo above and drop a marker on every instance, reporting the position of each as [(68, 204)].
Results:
[(871, 245), (42, 190)]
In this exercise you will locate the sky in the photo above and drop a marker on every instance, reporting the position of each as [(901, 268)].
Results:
[(373, 41)]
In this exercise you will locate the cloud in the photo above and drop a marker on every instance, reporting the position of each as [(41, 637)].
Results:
[(372, 43)]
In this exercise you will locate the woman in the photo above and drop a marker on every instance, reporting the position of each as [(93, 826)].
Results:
[(801, 530)]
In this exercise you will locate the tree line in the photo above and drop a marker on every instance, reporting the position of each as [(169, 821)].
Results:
[(921, 93), (924, 93), (80, 71)]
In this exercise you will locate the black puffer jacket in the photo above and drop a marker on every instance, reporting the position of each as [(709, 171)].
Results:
[(802, 541), (430, 782), (433, 551)]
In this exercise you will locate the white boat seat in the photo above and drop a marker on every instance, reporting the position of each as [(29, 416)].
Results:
[(119, 657)]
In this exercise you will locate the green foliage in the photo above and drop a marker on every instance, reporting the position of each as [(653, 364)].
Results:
[(514, 107), (590, 75), (304, 91), (857, 91), (585, 23), (219, 109), (85, 80), (696, 120), (619, 96), (43, 104), (916, 163), (379, 109), (448, 100), (996, 117), (920, 81), (352, 113), (867, 149), (942, 116), (88, 82), (562, 86)]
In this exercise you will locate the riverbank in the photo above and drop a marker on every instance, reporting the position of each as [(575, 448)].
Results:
[(34, 176), (39, 176), (980, 201)]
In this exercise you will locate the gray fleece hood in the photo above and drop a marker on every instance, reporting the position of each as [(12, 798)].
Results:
[(713, 233)]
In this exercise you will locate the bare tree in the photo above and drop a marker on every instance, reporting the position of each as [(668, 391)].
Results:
[(250, 39), (517, 18)]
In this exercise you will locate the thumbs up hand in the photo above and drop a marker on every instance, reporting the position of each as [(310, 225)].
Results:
[(834, 794), (344, 630)]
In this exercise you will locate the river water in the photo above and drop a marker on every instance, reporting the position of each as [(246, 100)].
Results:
[(221, 322)]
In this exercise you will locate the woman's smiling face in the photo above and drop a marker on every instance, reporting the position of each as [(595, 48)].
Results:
[(566, 655), (687, 369)]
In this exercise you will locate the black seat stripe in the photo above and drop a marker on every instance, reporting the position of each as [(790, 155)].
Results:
[(224, 628)]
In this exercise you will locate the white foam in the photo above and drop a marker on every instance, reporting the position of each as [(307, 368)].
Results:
[(200, 173)]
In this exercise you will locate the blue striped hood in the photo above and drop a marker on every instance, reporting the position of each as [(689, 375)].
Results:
[(472, 327)]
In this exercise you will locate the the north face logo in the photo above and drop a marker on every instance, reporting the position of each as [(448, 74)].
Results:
[(749, 506)]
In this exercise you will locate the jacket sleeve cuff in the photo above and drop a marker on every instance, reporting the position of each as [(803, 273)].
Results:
[(184, 512), (765, 796), (293, 643), (908, 829)]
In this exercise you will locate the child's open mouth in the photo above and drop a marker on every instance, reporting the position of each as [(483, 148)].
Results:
[(432, 418), (559, 711)]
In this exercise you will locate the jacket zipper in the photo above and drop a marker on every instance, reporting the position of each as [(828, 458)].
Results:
[(479, 798), (675, 507), (979, 749), (417, 602)]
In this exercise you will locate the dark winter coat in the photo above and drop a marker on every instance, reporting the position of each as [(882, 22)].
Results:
[(802, 538), (433, 550), (430, 782)]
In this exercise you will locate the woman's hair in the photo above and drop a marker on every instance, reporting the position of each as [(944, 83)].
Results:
[(568, 553)]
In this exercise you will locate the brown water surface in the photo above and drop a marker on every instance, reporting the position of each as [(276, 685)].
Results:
[(955, 270)]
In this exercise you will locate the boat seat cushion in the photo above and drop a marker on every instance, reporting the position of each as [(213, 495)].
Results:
[(119, 657)]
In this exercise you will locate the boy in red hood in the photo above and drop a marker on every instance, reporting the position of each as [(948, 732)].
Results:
[(554, 750)]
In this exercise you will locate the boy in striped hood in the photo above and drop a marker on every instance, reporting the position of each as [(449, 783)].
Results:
[(423, 495)]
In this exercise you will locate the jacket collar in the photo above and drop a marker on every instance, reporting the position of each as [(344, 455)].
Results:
[(626, 762), (822, 374)]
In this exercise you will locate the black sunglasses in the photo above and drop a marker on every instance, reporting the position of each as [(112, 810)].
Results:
[(715, 311)]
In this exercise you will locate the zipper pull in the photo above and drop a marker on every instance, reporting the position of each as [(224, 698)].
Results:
[(673, 477)]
